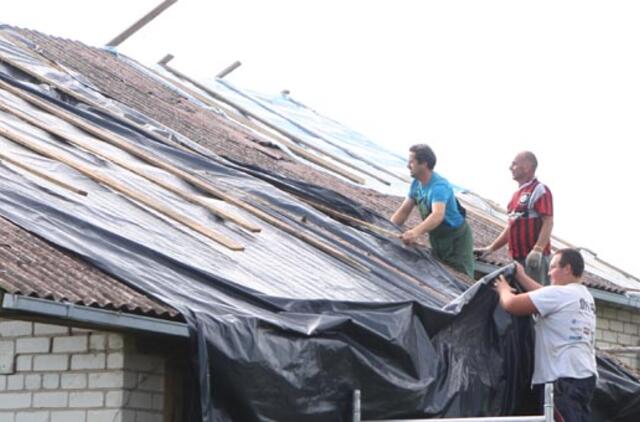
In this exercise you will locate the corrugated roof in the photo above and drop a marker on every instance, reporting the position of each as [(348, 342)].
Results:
[(209, 128), (30, 266)]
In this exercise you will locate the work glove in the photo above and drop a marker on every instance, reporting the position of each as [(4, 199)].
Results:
[(534, 259)]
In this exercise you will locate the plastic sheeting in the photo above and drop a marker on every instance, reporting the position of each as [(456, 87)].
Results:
[(281, 331)]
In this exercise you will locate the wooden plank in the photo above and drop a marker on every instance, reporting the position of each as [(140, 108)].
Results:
[(140, 23), (408, 277), (42, 175), (224, 72), (381, 262), (166, 59), (147, 132), (124, 164), (195, 181), (345, 217), (323, 138), (239, 140), (265, 122), (240, 119), (119, 187)]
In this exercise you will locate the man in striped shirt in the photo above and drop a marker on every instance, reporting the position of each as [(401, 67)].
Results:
[(528, 233)]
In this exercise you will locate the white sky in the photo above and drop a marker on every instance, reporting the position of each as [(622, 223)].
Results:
[(477, 80)]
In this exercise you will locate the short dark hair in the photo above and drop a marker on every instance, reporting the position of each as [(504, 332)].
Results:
[(573, 258), (424, 154)]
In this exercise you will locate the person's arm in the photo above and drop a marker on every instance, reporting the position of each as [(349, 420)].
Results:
[(516, 304), (545, 232), (435, 218), (535, 255), (499, 242), (524, 280), (402, 213)]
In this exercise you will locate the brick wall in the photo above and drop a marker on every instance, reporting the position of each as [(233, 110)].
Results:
[(618, 326), (52, 373)]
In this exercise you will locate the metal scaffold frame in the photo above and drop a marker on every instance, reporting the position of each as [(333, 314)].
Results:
[(546, 417)]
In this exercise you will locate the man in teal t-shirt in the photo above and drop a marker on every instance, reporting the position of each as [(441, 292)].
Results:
[(442, 216)]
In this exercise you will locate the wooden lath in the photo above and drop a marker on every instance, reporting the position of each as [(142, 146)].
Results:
[(193, 180), (270, 125), (130, 122), (125, 164), (119, 187), (4, 157), (243, 120), (421, 284), (239, 140), (355, 221)]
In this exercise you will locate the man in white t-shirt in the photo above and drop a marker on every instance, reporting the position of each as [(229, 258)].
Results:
[(565, 325)]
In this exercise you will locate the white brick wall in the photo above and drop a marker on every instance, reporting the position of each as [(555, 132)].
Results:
[(618, 326), (52, 373)]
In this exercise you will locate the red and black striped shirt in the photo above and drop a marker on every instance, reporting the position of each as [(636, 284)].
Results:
[(527, 207)]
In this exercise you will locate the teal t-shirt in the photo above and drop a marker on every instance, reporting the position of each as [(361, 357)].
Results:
[(437, 190)]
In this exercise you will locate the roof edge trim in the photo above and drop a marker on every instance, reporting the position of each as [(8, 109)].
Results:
[(96, 317), (615, 298)]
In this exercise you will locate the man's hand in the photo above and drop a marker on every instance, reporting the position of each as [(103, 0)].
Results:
[(519, 272), (410, 237), (516, 304), (534, 259), (482, 252), (501, 285)]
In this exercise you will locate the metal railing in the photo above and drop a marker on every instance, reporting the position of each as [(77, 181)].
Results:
[(546, 417)]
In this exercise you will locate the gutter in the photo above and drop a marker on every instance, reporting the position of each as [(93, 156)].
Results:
[(87, 315), (615, 298)]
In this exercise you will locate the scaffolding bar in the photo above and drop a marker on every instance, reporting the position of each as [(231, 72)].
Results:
[(546, 417)]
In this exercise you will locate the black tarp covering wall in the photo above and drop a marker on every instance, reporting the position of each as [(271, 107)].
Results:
[(282, 331)]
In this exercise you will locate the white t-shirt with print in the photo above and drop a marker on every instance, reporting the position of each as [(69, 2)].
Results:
[(565, 333)]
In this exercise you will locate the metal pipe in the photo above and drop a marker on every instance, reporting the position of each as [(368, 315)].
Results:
[(140, 23), (92, 316), (548, 402), (356, 406), (484, 419), (547, 417)]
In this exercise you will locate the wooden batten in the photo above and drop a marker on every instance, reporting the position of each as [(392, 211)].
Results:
[(42, 175), (119, 187)]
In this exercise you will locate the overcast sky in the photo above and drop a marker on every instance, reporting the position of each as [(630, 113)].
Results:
[(477, 80)]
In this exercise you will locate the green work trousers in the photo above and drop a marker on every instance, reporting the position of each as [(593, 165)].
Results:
[(454, 247)]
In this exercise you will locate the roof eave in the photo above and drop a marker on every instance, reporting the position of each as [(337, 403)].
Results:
[(84, 315), (616, 298)]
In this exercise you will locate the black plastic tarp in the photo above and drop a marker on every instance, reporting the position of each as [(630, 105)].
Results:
[(281, 331)]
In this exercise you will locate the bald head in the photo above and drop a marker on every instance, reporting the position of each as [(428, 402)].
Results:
[(524, 165), (530, 158)]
